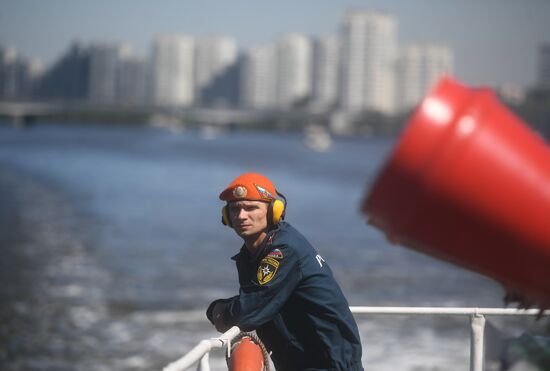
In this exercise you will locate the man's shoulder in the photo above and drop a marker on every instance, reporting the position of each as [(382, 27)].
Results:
[(289, 238), (286, 234)]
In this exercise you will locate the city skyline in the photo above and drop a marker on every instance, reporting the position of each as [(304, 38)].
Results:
[(354, 71), (495, 42)]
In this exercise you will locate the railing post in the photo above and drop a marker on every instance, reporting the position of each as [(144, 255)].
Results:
[(204, 364), (477, 322)]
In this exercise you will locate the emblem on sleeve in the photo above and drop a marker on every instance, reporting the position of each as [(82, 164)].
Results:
[(267, 269), (276, 253)]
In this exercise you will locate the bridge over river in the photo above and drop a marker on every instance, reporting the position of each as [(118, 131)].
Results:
[(25, 113)]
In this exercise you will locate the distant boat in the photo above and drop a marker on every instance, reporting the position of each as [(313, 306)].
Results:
[(317, 138), (210, 132), (170, 123)]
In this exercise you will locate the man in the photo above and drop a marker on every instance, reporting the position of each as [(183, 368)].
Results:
[(287, 291)]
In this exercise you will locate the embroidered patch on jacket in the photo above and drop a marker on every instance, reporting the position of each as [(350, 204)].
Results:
[(267, 269), (264, 193), (276, 253)]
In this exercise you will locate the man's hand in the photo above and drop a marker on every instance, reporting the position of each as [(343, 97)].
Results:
[(217, 317)]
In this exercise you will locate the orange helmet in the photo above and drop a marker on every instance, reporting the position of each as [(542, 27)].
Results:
[(249, 186)]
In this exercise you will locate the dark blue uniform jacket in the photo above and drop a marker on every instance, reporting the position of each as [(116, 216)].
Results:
[(289, 296)]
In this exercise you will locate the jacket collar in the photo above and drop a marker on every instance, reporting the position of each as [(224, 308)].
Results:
[(244, 254)]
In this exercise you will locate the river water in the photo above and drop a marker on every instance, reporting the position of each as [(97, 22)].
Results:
[(112, 246)]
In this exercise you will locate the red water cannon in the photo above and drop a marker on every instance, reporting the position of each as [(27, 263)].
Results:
[(469, 182)]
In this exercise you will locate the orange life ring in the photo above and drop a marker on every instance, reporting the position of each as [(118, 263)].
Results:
[(246, 356)]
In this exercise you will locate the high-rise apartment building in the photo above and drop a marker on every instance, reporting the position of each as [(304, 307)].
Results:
[(131, 84), (8, 73), (277, 75), (543, 75), (33, 72), (104, 64), (293, 81), (69, 77), (258, 77), (419, 67), (325, 64), (369, 46), (171, 71), (213, 56), (224, 90), (18, 75)]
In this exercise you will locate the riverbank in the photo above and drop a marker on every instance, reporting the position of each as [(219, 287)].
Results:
[(338, 123)]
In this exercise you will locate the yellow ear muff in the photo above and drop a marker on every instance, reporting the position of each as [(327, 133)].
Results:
[(278, 211), (226, 220)]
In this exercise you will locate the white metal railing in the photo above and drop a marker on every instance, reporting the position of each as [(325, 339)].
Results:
[(200, 353), (477, 322)]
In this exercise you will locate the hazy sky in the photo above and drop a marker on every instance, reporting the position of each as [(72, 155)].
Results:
[(495, 41)]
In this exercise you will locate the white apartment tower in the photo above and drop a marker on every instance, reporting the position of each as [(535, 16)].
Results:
[(369, 46), (131, 79), (171, 74), (104, 63), (213, 55), (258, 78), (326, 54), (8, 73), (419, 67), (293, 69)]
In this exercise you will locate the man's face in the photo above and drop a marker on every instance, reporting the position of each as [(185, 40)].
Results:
[(248, 217)]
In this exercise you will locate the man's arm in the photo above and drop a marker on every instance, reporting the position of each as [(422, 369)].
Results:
[(259, 302)]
